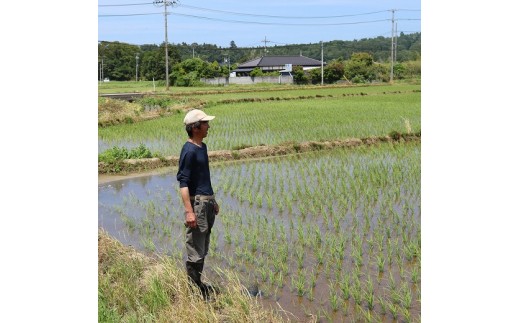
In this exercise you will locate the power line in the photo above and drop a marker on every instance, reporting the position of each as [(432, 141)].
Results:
[(124, 5), (258, 15), (277, 23), (131, 14), (251, 22), (284, 17)]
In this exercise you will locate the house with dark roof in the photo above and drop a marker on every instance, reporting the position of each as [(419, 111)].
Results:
[(281, 64)]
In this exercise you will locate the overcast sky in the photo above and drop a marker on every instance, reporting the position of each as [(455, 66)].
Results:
[(252, 23)]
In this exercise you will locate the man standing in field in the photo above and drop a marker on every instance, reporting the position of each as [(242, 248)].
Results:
[(197, 195)]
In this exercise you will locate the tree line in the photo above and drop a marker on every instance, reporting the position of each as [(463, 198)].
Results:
[(189, 62)]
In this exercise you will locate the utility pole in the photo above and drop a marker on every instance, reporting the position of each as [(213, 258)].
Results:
[(136, 66), (392, 51), (321, 43), (265, 41), (227, 59), (166, 4), (395, 44)]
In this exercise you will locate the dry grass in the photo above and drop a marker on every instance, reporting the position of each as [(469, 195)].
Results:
[(112, 111), (133, 287)]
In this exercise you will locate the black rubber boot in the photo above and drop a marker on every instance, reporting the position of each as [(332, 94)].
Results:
[(193, 273)]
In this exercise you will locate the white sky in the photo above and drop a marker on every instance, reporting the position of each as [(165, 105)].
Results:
[(205, 21)]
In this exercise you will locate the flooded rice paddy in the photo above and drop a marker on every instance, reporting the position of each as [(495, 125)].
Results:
[(329, 234)]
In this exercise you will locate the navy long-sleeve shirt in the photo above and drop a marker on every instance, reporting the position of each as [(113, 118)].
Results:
[(194, 169)]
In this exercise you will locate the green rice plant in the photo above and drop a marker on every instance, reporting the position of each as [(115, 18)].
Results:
[(253, 243), (279, 279), (393, 309), (310, 294), (344, 285), (269, 201), (272, 277), (317, 237), (313, 276), (298, 283), (319, 253), (382, 303), (357, 256), (259, 200), (405, 296), (395, 296), (129, 222), (300, 256), (370, 243), (148, 244), (227, 236), (264, 272), (415, 274), (336, 222), (410, 251), (380, 263), (391, 282), (406, 315), (356, 292), (249, 197), (334, 299), (366, 316), (369, 294)]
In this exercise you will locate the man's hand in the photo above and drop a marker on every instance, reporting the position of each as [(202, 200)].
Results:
[(191, 219), (217, 208)]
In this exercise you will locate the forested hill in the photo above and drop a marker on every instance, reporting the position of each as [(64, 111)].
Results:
[(408, 48)]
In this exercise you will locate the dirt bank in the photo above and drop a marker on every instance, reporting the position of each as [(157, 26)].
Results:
[(149, 166)]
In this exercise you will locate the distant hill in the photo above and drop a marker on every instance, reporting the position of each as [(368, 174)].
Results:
[(408, 48)]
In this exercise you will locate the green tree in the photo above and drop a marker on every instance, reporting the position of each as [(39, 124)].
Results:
[(152, 61), (359, 69), (256, 72), (190, 71), (334, 71), (118, 60), (315, 75), (299, 75)]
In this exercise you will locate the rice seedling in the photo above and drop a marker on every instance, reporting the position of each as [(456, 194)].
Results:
[(319, 253), (310, 294), (406, 315), (415, 275), (344, 285), (357, 293), (381, 263), (369, 294), (405, 296), (298, 283), (334, 299), (382, 304), (393, 309)]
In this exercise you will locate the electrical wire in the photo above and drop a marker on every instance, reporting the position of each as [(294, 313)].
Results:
[(277, 23), (283, 17)]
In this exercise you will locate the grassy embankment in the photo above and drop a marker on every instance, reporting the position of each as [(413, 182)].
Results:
[(137, 288)]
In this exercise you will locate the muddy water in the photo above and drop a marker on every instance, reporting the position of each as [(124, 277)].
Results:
[(146, 212)]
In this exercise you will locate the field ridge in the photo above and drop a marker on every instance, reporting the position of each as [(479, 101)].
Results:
[(144, 164)]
